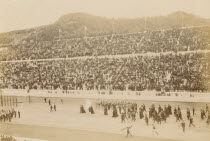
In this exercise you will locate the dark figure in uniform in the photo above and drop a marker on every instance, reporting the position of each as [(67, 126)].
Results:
[(175, 111), (123, 116), (45, 100), (179, 115), (54, 107), (202, 116), (169, 109), (18, 114), (188, 113), (208, 120), (82, 110), (165, 110), (9, 117), (91, 110), (51, 108), (144, 108), (183, 126), (204, 113), (133, 115), (114, 113), (193, 110), (154, 129), (128, 131), (159, 109), (49, 102), (150, 113), (146, 120), (109, 106), (141, 115), (105, 110), (178, 108), (191, 122), (207, 108)]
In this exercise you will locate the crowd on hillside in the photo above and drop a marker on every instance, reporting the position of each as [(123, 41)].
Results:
[(156, 41), (170, 72)]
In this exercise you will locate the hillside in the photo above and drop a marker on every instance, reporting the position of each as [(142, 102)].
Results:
[(81, 24)]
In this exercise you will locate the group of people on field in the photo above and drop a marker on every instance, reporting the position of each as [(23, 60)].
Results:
[(90, 109), (8, 115), (52, 106), (153, 115)]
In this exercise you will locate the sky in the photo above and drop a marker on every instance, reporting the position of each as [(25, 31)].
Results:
[(21, 14)]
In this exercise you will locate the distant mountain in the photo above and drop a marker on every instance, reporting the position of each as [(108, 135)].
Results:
[(82, 24)]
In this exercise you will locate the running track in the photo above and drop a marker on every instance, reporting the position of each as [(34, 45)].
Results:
[(61, 134)]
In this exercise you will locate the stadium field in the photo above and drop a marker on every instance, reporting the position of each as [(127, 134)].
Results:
[(62, 134), (68, 123)]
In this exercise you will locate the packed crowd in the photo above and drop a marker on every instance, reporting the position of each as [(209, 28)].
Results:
[(156, 41), (171, 72), (128, 110), (8, 115)]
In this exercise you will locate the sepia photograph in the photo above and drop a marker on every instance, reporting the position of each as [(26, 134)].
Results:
[(104, 70)]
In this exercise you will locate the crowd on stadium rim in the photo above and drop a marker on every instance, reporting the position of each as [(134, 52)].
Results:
[(156, 41), (169, 72)]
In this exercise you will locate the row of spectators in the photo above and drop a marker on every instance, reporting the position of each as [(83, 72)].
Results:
[(7, 138), (157, 41), (171, 72)]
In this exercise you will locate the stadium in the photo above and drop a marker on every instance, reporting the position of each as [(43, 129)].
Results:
[(91, 78)]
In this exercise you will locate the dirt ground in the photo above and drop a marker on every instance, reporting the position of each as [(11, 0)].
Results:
[(62, 134), (67, 123)]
